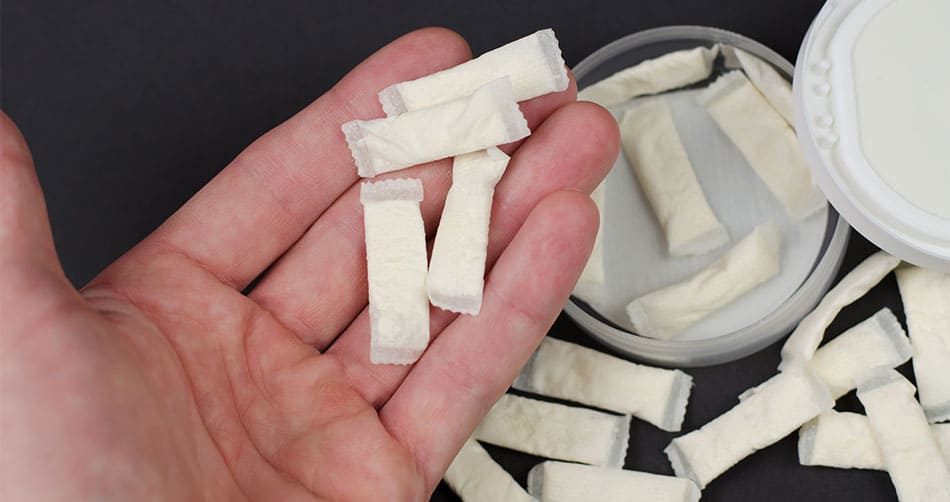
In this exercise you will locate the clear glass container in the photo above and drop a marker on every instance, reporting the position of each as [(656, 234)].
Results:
[(737, 330)]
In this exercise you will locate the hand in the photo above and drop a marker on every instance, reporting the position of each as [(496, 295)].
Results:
[(161, 380)]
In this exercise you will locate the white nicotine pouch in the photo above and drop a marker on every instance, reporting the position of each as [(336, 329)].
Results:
[(457, 268), (667, 72), (563, 482), (574, 373), (533, 63), (845, 441), (926, 297), (591, 286), (475, 477), (396, 268), (802, 343), (556, 431), (766, 141), (667, 312), (764, 77), (665, 174), (942, 433), (842, 440), (767, 414), (487, 118), (879, 341), (908, 446)]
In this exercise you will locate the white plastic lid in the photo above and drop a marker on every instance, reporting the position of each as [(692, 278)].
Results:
[(912, 225)]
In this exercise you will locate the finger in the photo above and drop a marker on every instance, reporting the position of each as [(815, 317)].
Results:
[(471, 364), (311, 289), (573, 150), (32, 279), (270, 194), (25, 234)]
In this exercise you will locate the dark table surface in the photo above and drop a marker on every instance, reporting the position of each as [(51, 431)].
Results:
[(130, 107)]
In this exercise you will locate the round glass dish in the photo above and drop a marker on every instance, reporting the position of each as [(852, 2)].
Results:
[(738, 340)]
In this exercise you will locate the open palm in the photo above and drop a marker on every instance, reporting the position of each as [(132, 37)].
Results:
[(163, 379)]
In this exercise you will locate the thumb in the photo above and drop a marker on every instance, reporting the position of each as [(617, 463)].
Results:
[(27, 254)]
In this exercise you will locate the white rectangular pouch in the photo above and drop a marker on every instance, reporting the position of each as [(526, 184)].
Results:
[(910, 451), (926, 297), (768, 81), (475, 477), (878, 341), (457, 268), (766, 141), (942, 434), (574, 373), (563, 482), (396, 267), (844, 440), (802, 343), (667, 72), (770, 412), (556, 431), (487, 118), (667, 312), (533, 63), (663, 170)]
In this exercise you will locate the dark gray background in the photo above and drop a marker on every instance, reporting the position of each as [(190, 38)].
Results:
[(130, 107)]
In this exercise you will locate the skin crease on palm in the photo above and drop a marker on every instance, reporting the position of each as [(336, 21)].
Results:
[(160, 380)]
